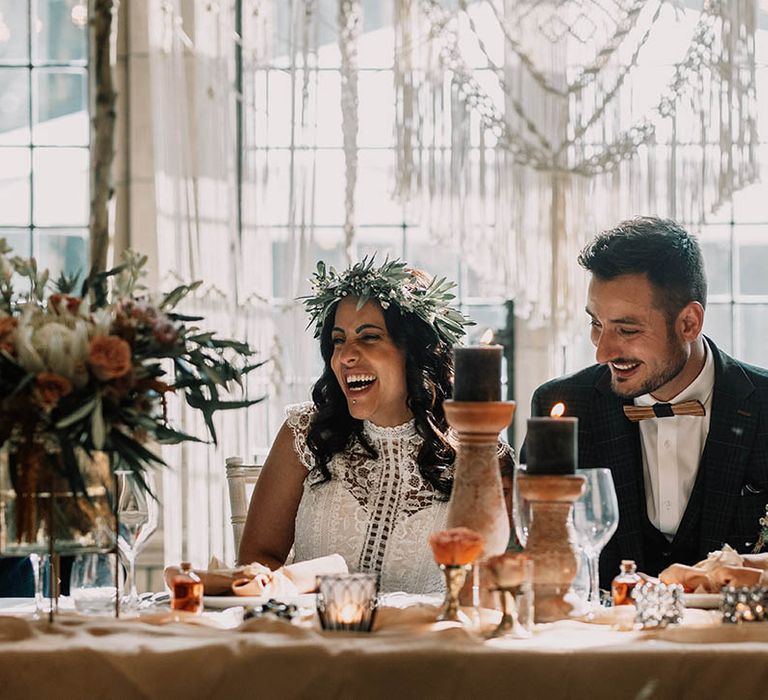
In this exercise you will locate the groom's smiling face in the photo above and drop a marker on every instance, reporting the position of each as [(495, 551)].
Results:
[(633, 336)]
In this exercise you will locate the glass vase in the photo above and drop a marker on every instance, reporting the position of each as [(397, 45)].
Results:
[(52, 518), (455, 577)]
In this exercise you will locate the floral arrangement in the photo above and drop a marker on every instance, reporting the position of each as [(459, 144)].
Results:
[(456, 546), (390, 284), (91, 372)]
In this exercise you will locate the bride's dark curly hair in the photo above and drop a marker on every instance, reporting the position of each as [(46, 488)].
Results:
[(428, 377)]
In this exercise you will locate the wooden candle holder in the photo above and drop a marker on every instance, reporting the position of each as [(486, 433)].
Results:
[(477, 499), (551, 540)]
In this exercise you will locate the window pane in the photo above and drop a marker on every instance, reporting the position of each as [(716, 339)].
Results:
[(377, 109), (14, 30), (18, 240), (384, 242), (752, 254), (14, 106), (374, 203), (59, 30), (61, 186), (422, 253), (718, 325), (326, 245), (716, 247), (14, 187), (752, 324), (62, 250), (61, 110)]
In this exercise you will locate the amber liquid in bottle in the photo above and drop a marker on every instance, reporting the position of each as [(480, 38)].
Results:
[(187, 590), (623, 585)]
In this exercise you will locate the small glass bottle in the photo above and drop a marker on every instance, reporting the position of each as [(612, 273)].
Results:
[(623, 585), (187, 590)]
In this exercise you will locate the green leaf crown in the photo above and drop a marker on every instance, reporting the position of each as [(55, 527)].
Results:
[(390, 284)]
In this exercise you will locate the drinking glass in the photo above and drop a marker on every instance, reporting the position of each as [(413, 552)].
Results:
[(521, 509), (92, 583), (595, 519), (137, 513)]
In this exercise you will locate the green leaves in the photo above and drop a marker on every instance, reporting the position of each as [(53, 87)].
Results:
[(393, 283)]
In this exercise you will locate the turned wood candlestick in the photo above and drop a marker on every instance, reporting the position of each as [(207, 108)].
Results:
[(477, 499), (551, 540)]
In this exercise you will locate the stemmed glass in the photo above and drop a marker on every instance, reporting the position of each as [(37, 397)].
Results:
[(595, 519), (521, 509), (137, 513)]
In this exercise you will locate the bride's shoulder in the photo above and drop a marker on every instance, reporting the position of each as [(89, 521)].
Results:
[(298, 416)]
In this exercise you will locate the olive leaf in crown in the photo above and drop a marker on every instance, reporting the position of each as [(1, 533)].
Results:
[(391, 283)]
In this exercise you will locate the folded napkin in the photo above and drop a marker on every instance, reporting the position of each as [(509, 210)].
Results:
[(259, 580), (721, 568)]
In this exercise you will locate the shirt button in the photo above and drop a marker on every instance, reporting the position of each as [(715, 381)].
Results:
[(668, 505), (667, 444)]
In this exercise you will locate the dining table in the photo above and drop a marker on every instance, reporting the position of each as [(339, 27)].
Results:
[(223, 654)]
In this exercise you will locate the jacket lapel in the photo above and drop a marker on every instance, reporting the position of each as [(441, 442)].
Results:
[(721, 470), (617, 442)]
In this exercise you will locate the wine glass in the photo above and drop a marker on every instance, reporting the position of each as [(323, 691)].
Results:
[(595, 519), (137, 514), (521, 509)]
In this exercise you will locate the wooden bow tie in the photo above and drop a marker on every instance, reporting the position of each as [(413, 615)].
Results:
[(664, 410)]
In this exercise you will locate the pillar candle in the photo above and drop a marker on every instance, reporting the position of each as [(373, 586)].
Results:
[(551, 445), (477, 373)]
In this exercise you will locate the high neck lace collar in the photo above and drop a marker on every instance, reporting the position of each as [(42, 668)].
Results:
[(377, 432)]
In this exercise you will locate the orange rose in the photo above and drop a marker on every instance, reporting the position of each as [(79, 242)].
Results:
[(109, 357), (456, 546), (49, 389)]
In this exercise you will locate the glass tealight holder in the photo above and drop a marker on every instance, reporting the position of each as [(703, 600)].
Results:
[(347, 602)]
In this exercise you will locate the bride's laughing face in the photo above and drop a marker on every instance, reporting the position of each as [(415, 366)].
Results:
[(368, 365)]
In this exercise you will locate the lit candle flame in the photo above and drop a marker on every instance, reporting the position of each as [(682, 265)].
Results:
[(350, 613), (557, 410), (487, 337)]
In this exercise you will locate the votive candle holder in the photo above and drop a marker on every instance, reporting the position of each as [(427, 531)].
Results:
[(347, 602)]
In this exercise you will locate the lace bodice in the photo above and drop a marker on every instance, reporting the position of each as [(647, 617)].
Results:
[(377, 513)]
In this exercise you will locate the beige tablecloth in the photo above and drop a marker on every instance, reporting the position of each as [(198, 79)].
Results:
[(408, 658)]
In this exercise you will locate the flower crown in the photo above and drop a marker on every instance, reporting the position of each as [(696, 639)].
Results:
[(392, 283)]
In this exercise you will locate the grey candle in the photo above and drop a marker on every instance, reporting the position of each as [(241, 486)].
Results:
[(551, 445), (477, 373)]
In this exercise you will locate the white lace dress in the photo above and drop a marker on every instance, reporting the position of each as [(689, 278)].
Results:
[(377, 513)]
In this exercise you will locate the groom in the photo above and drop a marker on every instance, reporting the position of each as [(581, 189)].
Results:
[(688, 478)]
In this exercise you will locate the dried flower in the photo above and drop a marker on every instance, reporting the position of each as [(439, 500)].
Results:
[(456, 546), (508, 569), (49, 389), (164, 331), (109, 357)]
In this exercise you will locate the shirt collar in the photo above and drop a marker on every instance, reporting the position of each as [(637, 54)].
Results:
[(700, 388)]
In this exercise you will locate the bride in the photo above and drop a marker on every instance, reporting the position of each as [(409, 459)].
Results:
[(365, 469)]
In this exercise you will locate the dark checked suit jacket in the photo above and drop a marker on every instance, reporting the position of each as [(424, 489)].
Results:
[(730, 492)]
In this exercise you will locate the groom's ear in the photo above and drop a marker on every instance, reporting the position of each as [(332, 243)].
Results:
[(690, 321)]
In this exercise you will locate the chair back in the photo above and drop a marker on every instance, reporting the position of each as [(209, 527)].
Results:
[(241, 479)]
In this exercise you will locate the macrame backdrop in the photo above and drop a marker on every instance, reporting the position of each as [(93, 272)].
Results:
[(569, 103), (522, 127)]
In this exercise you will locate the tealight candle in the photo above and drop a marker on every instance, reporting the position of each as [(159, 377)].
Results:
[(477, 371), (347, 602), (350, 614), (551, 444)]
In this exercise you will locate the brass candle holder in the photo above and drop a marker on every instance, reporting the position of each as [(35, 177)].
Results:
[(477, 499), (551, 540)]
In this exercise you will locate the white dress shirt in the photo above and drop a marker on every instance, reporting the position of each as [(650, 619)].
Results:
[(672, 448)]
